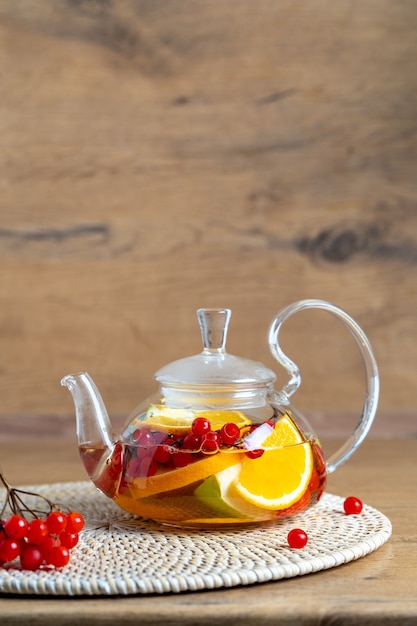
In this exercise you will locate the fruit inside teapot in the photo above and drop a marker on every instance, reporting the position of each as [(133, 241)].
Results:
[(217, 445), (211, 467)]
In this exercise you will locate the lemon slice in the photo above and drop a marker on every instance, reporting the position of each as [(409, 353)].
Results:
[(174, 421), (178, 421), (281, 476)]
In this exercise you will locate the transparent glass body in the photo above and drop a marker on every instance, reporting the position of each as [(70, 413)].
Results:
[(217, 445), (175, 477)]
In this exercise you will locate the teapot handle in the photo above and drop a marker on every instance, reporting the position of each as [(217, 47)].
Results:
[(371, 371)]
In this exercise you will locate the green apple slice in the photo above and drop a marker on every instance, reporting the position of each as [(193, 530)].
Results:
[(217, 492)]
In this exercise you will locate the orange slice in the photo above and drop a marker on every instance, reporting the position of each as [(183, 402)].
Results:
[(281, 476), (183, 476), (171, 510), (285, 433), (178, 421), (219, 418)]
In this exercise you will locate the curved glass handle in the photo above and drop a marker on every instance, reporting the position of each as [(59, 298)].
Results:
[(371, 371)]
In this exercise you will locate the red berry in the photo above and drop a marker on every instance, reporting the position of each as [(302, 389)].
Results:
[(297, 538), (210, 442), (143, 437), (31, 557), (36, 531), (68, 540), (229, 433), (181, 459), (116, 461), (200, 426), (352, 505), (58, 557), (254, 454), (15, 527), (9, 549), (75, 522), (191, 443), (162, 454), (315, 481), (56, 522), (48, 543)]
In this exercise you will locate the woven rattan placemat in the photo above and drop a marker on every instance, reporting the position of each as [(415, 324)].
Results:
[(119, 554)]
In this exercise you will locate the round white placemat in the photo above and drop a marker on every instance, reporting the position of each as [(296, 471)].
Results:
[(119, 554)]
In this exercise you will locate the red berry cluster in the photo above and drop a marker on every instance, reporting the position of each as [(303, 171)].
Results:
[(33, 536), (203, 438), (39, 542), (153, 449)]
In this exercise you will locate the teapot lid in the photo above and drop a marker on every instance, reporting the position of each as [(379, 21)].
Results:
[(214, 367)]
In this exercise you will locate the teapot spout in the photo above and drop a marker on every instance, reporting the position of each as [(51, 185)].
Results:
[(93, 424)]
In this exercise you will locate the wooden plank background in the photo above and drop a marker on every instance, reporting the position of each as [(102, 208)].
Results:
[(159, 156)]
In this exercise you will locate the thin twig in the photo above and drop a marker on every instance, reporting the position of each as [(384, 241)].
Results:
[(15, 500)]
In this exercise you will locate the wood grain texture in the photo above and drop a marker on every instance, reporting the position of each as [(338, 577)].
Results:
[(158, 156), (377, 590)]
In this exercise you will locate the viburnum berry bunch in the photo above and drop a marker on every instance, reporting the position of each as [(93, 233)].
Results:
[(36, 537), (177, 451)]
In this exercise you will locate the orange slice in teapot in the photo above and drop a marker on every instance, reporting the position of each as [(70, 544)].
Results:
[(280, 477), (175, 479)]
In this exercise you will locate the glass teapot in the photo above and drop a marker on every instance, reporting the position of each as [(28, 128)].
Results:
[(217, 445)]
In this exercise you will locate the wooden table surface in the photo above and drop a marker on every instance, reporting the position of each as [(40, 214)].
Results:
[(380, 588)]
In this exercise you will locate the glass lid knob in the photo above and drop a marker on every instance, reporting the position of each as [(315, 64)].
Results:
[(214, 324)]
